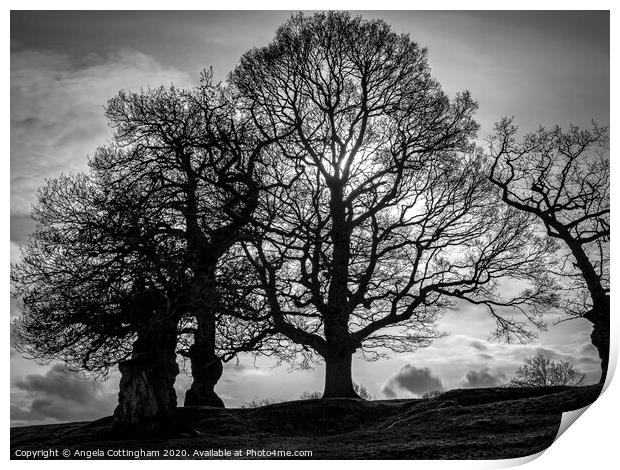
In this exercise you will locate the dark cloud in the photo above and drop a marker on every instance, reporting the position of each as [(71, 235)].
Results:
[(413, 380), (58, 382), (61, 395), (479, 345), (487, 357), (483, 378)]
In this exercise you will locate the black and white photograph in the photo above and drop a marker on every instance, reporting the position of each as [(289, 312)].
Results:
[(306, 234)]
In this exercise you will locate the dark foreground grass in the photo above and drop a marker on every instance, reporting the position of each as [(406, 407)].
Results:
[(492, 423)]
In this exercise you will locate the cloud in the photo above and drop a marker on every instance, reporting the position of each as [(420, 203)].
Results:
[(453, 356), (479, 345), (57, 112), (59, 396), (413, 380), (588, 349), (240, 370), (245, 369), (21, 227), (483, 378)]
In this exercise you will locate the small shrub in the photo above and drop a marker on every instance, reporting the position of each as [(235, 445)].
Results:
[(432, 394), (257, 403), (363, 392), (310, 396), (359, 389)]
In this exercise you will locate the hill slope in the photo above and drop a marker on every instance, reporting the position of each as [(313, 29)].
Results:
[(487, 423)]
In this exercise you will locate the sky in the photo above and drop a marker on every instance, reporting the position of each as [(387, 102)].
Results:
[(544, 68)]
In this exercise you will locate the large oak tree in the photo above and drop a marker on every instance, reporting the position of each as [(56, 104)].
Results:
[(384, 215)]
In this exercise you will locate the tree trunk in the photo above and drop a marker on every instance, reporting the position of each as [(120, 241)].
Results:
[(147, 399), (599, 316), (338, 382), (206, 365)]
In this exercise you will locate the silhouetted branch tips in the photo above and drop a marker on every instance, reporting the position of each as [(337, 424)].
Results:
[(540, 371), (562, 178), (379, 212)]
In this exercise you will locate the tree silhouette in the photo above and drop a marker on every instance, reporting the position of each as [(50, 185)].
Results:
[(201, 156), (99, 286), (383, 216), (562, 177), (539, 371), (136, 257)]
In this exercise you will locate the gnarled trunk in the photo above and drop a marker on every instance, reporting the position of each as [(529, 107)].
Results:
[(147, 399), (206, 366), (599, 317), (206, 371)]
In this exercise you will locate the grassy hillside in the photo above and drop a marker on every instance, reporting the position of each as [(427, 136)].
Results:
[(488, 423)]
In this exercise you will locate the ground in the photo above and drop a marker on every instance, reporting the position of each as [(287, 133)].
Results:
[(491, 423)]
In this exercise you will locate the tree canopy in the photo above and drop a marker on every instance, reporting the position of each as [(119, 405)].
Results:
[(385, 215), (92, 274)]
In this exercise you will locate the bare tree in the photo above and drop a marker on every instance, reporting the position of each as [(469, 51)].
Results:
[(201, 155), (137, 255), (98, 286), (384, 215), (540, 371), (562, 177)]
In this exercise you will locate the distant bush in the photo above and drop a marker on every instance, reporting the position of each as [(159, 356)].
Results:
[(432, 394), (538, 371), (257, 403), (363, 392), (359, 389)]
